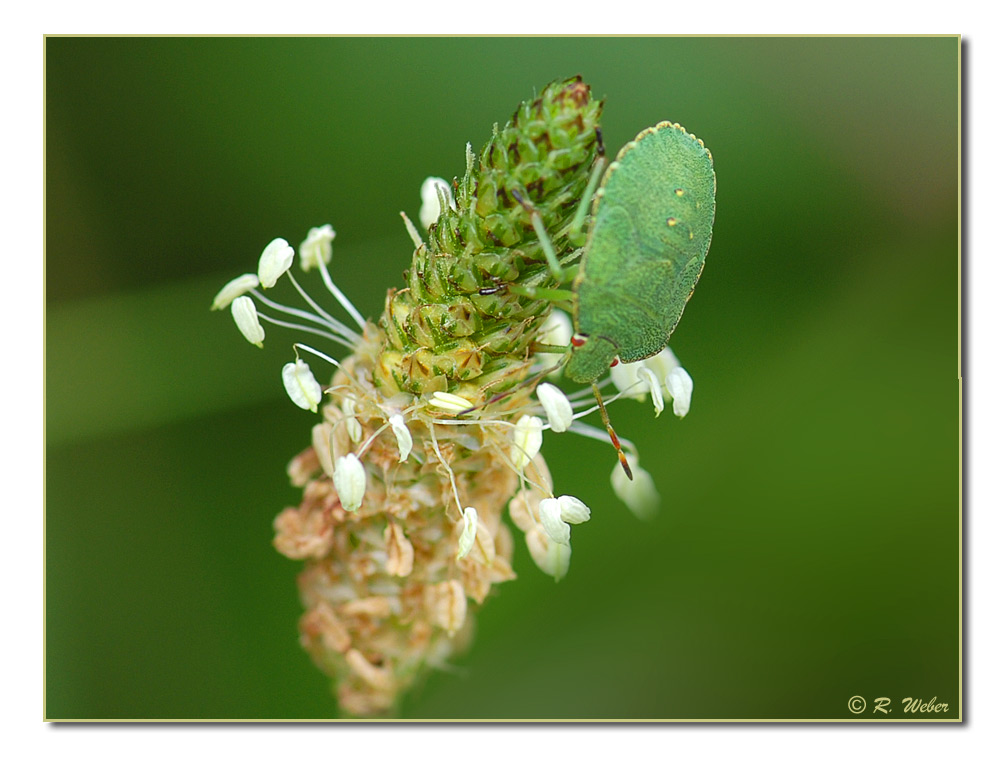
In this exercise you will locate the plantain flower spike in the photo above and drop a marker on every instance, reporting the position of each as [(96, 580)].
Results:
[(428, 425)]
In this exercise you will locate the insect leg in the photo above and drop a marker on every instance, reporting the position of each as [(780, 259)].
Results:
[(543, 237), (611, 431), (600, 163), (533, 292), (527, 291), (503, 395)]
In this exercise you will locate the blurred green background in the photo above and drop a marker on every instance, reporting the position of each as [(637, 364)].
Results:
[(808, 546)]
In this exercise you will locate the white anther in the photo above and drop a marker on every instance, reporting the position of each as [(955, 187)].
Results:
[(242, 284), (245, 314), (301, 386), (274, 261), (557, 407)]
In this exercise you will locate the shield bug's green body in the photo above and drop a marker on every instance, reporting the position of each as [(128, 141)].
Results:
[(651, 226)]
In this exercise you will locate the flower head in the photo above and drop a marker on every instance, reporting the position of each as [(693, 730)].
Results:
[(431, 422)]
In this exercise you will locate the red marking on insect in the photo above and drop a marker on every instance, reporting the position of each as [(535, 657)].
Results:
[(615, 362), (578, 341)]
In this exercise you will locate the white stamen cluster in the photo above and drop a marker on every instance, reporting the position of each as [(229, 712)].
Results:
[(451, 403), (661, 376)]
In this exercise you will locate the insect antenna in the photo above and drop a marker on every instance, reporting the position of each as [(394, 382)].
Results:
[(611, 431)]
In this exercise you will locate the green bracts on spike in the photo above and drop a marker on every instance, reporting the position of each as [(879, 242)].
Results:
[(463, 324)]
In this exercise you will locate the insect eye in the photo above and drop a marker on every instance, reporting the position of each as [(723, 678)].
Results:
[(578, 340)]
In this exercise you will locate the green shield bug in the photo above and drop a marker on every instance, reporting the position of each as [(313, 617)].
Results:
[(651, 226), (650, 230)]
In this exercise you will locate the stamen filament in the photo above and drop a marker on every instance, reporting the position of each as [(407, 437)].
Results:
[(444, 463), (344, 302), (317, 353), (336, 324), (500, 448), (367, 443), (595, 408), (306, 329)]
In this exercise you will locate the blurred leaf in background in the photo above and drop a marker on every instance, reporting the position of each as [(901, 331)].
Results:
[(808, 545)]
